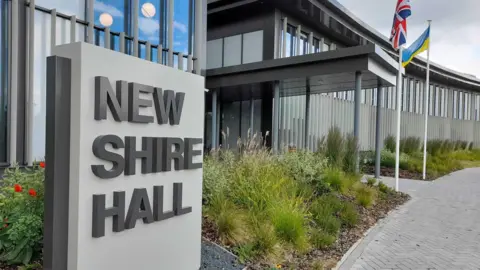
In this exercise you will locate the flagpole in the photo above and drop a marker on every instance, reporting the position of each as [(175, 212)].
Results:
[(427, 95), (399, 112)]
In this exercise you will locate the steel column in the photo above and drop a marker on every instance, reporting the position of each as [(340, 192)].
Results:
[(307, 114), (135, 27), (197, 42), (356, 117), (91, 21), (276, 105), (214, 119), (170, 32), (284, 45), (252, 111), (13, 86), (378, 128), (30, 78)]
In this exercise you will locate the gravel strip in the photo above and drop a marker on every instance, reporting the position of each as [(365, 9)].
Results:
[(214, 257)]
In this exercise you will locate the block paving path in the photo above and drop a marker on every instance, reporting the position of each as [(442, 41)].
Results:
[(439, 228)]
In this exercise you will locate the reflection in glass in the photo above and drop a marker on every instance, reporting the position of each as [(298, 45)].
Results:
[(70, 7)]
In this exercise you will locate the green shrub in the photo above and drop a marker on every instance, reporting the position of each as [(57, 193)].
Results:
[(384, 188), (324, 211), (264, 238), (435, 147), (289, 221), (371, 182), (390, 143), (410, 145), (21, 215), (334, 177), (216, 173), (334, 147), (228, 220), (447, 146), (387, 159), (350, 154), (349, 215), (321, 239), (246, 252), (366, 196), (330, 224), (303, 166), (327, 205)]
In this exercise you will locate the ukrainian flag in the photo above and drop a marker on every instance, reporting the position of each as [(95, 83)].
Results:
[(419, 46)]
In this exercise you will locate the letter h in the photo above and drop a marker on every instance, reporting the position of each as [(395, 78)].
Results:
[(100, 213)]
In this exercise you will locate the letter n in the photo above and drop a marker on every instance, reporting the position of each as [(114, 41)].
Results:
[(104, 96)]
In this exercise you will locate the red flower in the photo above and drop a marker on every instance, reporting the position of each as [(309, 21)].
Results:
[(32, 192), (5, 225), (42, 164), (17, 188)]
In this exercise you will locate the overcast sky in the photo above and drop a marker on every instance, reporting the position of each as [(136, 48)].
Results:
[(455, 32)]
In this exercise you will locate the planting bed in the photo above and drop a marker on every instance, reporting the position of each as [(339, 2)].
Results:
[(329, 257)]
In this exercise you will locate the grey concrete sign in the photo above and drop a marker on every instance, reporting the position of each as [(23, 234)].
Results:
[(124, 162)]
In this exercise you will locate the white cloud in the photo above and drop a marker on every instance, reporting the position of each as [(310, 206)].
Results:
[(148, 26), (455, 39), (102, 7), (180, 26)]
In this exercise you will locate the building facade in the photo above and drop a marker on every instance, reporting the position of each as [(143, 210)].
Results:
[(291, 68), (169, 32), (286, 70)]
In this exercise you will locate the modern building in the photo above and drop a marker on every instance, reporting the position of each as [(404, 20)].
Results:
[(170, 32), (288, 68), (297, 67)]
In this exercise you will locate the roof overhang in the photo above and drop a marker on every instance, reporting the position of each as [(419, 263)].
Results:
[(374, 63)]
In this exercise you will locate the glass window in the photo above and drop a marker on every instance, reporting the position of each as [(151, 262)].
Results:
[(214, 53), (3, 81), (291, 41), (232, 54), (252, 47), (316, 45), (181, 20), (303, 44)]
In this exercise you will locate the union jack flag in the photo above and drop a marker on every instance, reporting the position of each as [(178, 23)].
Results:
[(399, 29)]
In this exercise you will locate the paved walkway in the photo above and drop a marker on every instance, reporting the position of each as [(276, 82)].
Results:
[(438, 229)]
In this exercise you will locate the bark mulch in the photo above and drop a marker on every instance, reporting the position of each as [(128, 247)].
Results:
[(390, 172)]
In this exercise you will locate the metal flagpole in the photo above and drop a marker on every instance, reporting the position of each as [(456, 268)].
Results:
[(427, 95), (399, 112)]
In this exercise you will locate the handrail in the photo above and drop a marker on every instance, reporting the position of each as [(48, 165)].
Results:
[(101, 28)]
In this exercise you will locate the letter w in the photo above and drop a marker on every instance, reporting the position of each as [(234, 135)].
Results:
[(170, 108), (104, 96)]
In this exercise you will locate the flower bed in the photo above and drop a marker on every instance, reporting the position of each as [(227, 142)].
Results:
[(443, 157), (299, 210)]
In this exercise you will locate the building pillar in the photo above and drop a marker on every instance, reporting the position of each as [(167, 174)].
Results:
[(298, 34), (252, 111), (214, 119), (198, 39), (266, 115), (284, 41), (276, 105), (307, 114), (378, 128), (356, 117)]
